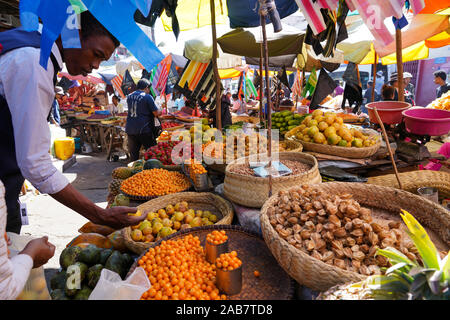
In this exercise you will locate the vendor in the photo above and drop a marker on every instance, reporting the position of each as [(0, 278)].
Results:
[(113, 108), (25, 105), (440, 78), (97, 105)]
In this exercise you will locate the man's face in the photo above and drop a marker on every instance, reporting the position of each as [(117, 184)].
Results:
[(115, 101), (94, 50), (407, 81), (437, 80)]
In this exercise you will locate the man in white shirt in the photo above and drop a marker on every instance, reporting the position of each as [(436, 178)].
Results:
[(26, 95), (113, 108)]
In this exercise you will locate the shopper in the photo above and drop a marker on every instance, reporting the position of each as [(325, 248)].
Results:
[(387, 93), (409, 87), (14, 272), (142, 113), (440, 78), (23, 125), (368, 93), (225, 114)]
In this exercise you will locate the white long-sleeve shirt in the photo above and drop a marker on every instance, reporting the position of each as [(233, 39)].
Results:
[(14, 272), (29, 91)]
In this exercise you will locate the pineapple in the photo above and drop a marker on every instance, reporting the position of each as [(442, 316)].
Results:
[(406, 279), (114, 186), (122, 173)]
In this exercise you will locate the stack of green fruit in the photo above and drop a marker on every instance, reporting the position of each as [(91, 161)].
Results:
[(121, 201), (285, 121), (90, 262)]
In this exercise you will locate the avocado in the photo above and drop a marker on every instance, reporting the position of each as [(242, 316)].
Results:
[(69, 256), (104, 255), (58, 281), (83, 294), (58, 294), (128, 260), (71, 277), (82, 267), (116, 263), (90, 255), (93, 275)]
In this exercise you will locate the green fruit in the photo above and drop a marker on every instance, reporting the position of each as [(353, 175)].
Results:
[(196, 222), (179, 216), (205, 121), (58, 294), (128, 260), (83, 294), (342, 143), (90, 255), (104, 255), (313, 123), (93, 275), (288, 118), (357, 142), (167, 222), (117, 263), (122, 200), (69, 256), (312, 131), (58, 281), (213, 218), (157, 227), (291, 127), (164, 232), (152, 164)]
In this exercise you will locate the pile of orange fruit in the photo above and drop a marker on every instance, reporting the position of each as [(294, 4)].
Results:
[(178, 270), (228, 261), (217, 237), (155, 182)]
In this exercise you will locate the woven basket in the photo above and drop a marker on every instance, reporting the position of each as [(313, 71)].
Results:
[(272, 284), (353, 153), (294, 145), (251, 191), (248, 119), (196, 200), (320, 276), (413, 180)]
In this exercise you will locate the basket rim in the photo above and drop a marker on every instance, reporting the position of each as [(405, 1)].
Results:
[(313, 168)]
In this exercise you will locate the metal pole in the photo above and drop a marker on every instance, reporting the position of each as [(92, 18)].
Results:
[(214, 64), (374, 76), (398, 52)]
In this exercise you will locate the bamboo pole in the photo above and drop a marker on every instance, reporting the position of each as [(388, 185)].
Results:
[(214, 64), (374, 72), (398, 53), (261, 84), (391, 155), (269, 101)]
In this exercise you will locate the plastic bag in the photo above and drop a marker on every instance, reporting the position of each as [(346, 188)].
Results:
[(111, 287), (64, 148), (36, 285)]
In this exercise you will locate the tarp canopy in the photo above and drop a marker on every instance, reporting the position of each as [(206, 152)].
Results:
[(247, 42)]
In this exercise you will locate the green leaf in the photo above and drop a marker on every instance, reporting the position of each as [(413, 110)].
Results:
[(445, 267), (391, 283), (396, 267), (424, 245), (395, 256), (434, 282)]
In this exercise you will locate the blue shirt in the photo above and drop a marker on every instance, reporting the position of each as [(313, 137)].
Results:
[(55, 111), (140, 117), (179, 103)]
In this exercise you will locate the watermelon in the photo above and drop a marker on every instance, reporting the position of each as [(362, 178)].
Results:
[(152, 164)]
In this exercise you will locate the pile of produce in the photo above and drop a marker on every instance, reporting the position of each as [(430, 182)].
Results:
[(335, 229), (228, 261), (170, 124), (155, 182), (329, 129), (442, 103), (296, 167), (285, 121), (90, 261), (163, 152), (178, 270), (171, 219), (97, 117), (195, 169), (285, 147)]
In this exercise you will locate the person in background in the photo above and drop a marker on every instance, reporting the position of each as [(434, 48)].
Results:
[(97, 105), (141, 119), (393, 81), (15, 271), (239, 105), (368, 94), (387, 93), (440, 78), (54, 116), (113, 108), (180, 102), (409, 87), (339, 90), (225, 114), (379, 81)]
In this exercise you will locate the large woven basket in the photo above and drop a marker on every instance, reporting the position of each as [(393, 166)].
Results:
[(353, 153), (413, 180), (294, 145), (385, 201), (251, 191), (272, 284), (196, 200)]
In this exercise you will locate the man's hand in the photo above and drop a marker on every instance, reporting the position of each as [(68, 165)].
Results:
[(118, 217), (40, 250)]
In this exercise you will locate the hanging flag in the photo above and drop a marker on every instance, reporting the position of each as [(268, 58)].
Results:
[(128, 85), (325, 86), (165, 68), (312, 14), (283, 77), (117, 83), (310, 84), (250, 88), (296, 87)]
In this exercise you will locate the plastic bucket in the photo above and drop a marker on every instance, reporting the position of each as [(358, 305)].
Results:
[(390, 112)]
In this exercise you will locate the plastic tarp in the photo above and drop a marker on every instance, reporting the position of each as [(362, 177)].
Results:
[(232, 72), (88, 78), (247, 42), (423, 30)]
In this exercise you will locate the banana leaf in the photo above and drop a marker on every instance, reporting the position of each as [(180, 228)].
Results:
[(426, 248)]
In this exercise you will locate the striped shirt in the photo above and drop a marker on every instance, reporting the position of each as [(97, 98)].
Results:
[(14, 272)]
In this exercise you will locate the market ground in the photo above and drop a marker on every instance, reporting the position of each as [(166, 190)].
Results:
[(90, 175)]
